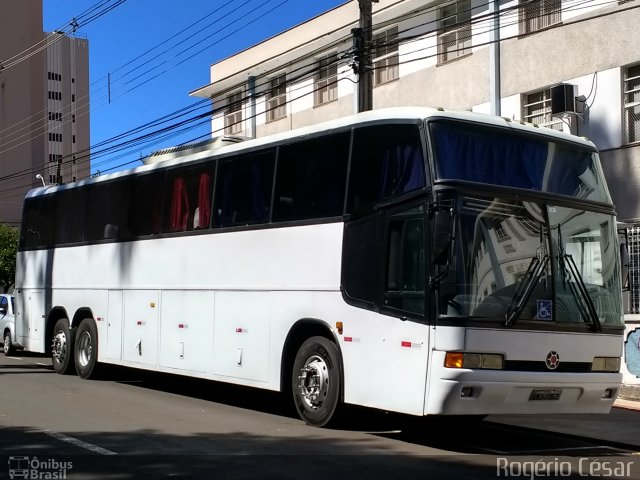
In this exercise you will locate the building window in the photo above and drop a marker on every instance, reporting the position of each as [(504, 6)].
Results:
[(632, 104), (55, 95), (233, 114), (326, 85), (277, 98), (537, 107), (454, 39), (385, 56), (538, 15)]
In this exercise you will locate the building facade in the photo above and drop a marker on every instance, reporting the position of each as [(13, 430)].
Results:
[(44, 106), (571, 65)]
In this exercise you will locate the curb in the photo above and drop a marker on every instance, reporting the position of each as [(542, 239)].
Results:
[(629, 392)]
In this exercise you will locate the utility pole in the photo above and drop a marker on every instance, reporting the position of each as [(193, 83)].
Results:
[(362, 40), (494, 58)]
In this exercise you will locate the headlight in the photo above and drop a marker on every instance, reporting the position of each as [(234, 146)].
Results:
[(605, 364)]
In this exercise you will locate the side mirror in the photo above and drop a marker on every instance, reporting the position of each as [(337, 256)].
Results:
[(3, 310), (624, 261), (441, 246)]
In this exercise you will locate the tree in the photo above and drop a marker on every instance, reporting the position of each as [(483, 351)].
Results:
[(8, 249)]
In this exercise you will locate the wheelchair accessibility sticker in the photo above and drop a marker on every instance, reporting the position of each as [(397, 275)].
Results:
[(544, 309)]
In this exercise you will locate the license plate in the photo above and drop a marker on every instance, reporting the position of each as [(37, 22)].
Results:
[(547, 394)]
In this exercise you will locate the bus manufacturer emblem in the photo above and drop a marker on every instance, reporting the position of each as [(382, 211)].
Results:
[(553, 360)]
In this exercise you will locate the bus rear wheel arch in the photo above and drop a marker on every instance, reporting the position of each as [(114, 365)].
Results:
[(62, 347), (315, 381), (86, 349)]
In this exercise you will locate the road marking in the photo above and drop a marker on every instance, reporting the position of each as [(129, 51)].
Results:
[(567, 449), (80, 443)]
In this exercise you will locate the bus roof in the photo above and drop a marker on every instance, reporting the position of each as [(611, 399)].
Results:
[(185, 154)]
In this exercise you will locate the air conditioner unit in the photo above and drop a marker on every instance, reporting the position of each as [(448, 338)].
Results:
[(562, 99)]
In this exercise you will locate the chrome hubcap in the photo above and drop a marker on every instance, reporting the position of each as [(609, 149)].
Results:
[(85, 349), (314, 381), (59, 346)]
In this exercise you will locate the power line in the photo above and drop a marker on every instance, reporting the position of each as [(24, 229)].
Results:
[(164, 132)]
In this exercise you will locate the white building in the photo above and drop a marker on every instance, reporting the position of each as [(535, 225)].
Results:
[(438, 54)]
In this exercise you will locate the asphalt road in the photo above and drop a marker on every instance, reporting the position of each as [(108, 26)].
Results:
[(134, 424)]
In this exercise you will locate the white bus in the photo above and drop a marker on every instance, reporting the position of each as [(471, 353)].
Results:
[(412, 260)]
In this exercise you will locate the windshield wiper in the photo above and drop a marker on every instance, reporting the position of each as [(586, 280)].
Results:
[(536, 268), (579, 290)]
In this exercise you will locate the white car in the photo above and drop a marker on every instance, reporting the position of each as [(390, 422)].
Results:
[(7, 324)]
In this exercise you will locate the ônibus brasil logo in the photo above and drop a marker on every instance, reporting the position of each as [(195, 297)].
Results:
[(33, 468)]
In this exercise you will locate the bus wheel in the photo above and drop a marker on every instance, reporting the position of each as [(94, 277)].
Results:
[(8, 347), (86, 349), (62, 347), (316, 381)]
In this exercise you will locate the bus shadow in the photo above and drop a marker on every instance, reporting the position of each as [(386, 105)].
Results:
[(462, 435)]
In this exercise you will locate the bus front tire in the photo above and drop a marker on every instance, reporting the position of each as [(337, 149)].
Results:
[(316, 381), (7, 346), (86, 349), (62, 348)]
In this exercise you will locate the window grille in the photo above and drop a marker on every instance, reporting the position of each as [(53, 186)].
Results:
[(233, 114), (326, 88), (633, 239), (455, 38), (385, 56), (536, 109), (632, 104), (539, 14), (277, 98)]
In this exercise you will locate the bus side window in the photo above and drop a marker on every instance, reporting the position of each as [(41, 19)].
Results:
[(107, 206), (188, 199), (386, 162), (406, 280), (311, 178), (243, 190), (37, 223), (144, 216), (360, 264), (70, 214), (31, 236)]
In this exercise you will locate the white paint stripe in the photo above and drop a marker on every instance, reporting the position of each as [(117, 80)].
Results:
[(567, 449), (80, 443)]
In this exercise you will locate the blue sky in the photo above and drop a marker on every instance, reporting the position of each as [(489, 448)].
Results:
[(156, 84)]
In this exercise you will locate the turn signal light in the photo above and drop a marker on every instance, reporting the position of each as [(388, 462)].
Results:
[(492, 361)]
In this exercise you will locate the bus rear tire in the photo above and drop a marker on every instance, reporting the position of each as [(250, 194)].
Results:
[(316, 380), (62, 348), (86, 349)]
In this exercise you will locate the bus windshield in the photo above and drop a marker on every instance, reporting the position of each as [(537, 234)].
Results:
[(488, 155), (521, 261)]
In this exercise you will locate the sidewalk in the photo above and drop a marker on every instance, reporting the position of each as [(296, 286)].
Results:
[(627, 403)]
